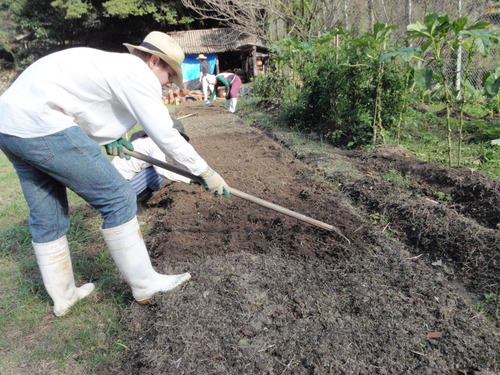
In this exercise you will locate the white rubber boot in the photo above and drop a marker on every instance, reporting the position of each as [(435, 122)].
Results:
[(54, 261), (129, 252), (231, 104)]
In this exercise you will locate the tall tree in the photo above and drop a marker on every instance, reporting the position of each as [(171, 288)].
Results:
[(47, 25)]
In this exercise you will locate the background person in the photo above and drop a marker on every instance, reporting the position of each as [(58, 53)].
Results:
[(144, 177), (232, 83), (205, 70), (53, 119), (209, 86)]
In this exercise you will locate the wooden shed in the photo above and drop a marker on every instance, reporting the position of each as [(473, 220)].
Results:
[(235, 51)]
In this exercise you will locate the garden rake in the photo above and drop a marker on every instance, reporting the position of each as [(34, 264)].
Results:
[(238, 193)]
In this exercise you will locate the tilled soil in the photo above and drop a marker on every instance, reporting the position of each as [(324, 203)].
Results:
[(270, 294)]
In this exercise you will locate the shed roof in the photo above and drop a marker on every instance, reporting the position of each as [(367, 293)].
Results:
[(214, 40)]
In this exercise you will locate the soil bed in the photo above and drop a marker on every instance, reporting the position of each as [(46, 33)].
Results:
[(273, 295)]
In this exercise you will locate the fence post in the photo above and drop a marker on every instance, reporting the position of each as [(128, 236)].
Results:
[(459, 55), (346, 15), (409, 7)]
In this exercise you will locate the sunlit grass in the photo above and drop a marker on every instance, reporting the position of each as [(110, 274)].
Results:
[(32, 339), (425, 136)]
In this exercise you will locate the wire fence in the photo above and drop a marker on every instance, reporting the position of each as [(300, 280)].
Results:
[(361, 15)]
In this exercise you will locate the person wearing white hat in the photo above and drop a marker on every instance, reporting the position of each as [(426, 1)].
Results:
[(205, 70), (53, 120)]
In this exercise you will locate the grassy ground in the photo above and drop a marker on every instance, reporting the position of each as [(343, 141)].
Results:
[(425, 135), (32, 339)]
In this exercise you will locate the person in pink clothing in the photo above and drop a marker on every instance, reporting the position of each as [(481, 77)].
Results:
[(232, 83)]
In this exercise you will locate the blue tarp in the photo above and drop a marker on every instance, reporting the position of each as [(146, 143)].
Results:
[(191, 66)]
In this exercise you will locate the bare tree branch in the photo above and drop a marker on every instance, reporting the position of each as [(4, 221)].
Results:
[(299, 18), (245, 16)]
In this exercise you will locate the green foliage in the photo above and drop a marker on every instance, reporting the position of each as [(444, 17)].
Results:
[(438, 36), (340, 90), (161, 11), (423, 77), (396, 178), (489, 305), (269, 86), (7, 33), (31, 20), (73, 8), (124, 8), (406, 54), (442, 196), (49, 25), (491, 84)]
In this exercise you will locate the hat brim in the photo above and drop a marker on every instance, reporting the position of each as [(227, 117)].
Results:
[(171, 62)]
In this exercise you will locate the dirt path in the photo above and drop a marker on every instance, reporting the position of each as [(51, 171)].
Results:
[(272, 295)]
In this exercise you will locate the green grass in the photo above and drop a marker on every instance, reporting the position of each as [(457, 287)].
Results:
[(32, 339), (397, 179), (425, 136)]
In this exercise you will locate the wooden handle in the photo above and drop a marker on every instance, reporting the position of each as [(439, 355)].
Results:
[(163, 165), (288, 212), (238, 193), (283, 210)]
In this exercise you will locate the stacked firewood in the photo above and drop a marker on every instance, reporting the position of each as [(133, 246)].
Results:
[(178, 96)]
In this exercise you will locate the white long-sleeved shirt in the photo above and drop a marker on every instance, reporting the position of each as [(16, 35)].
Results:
[(146, 146), (103, 93)]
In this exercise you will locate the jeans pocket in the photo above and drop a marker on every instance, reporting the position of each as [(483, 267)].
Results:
[(31, 150), (34, 150)]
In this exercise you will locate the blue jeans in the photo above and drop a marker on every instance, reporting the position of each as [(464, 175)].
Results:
[(46, 166)]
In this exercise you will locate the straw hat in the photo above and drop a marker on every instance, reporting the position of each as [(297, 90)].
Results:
[(167, 49), (201, 56)]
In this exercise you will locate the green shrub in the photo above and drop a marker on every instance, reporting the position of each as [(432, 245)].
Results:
[(342, 92), (269, 86)]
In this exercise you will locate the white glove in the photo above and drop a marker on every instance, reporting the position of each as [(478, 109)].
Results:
[(214, 182)]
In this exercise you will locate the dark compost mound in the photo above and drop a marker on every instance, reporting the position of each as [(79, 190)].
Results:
[(273, 295)]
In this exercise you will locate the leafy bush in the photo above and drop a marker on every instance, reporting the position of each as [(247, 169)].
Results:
[(340, 91), (354, 89), (269, 86), (491, 83)]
